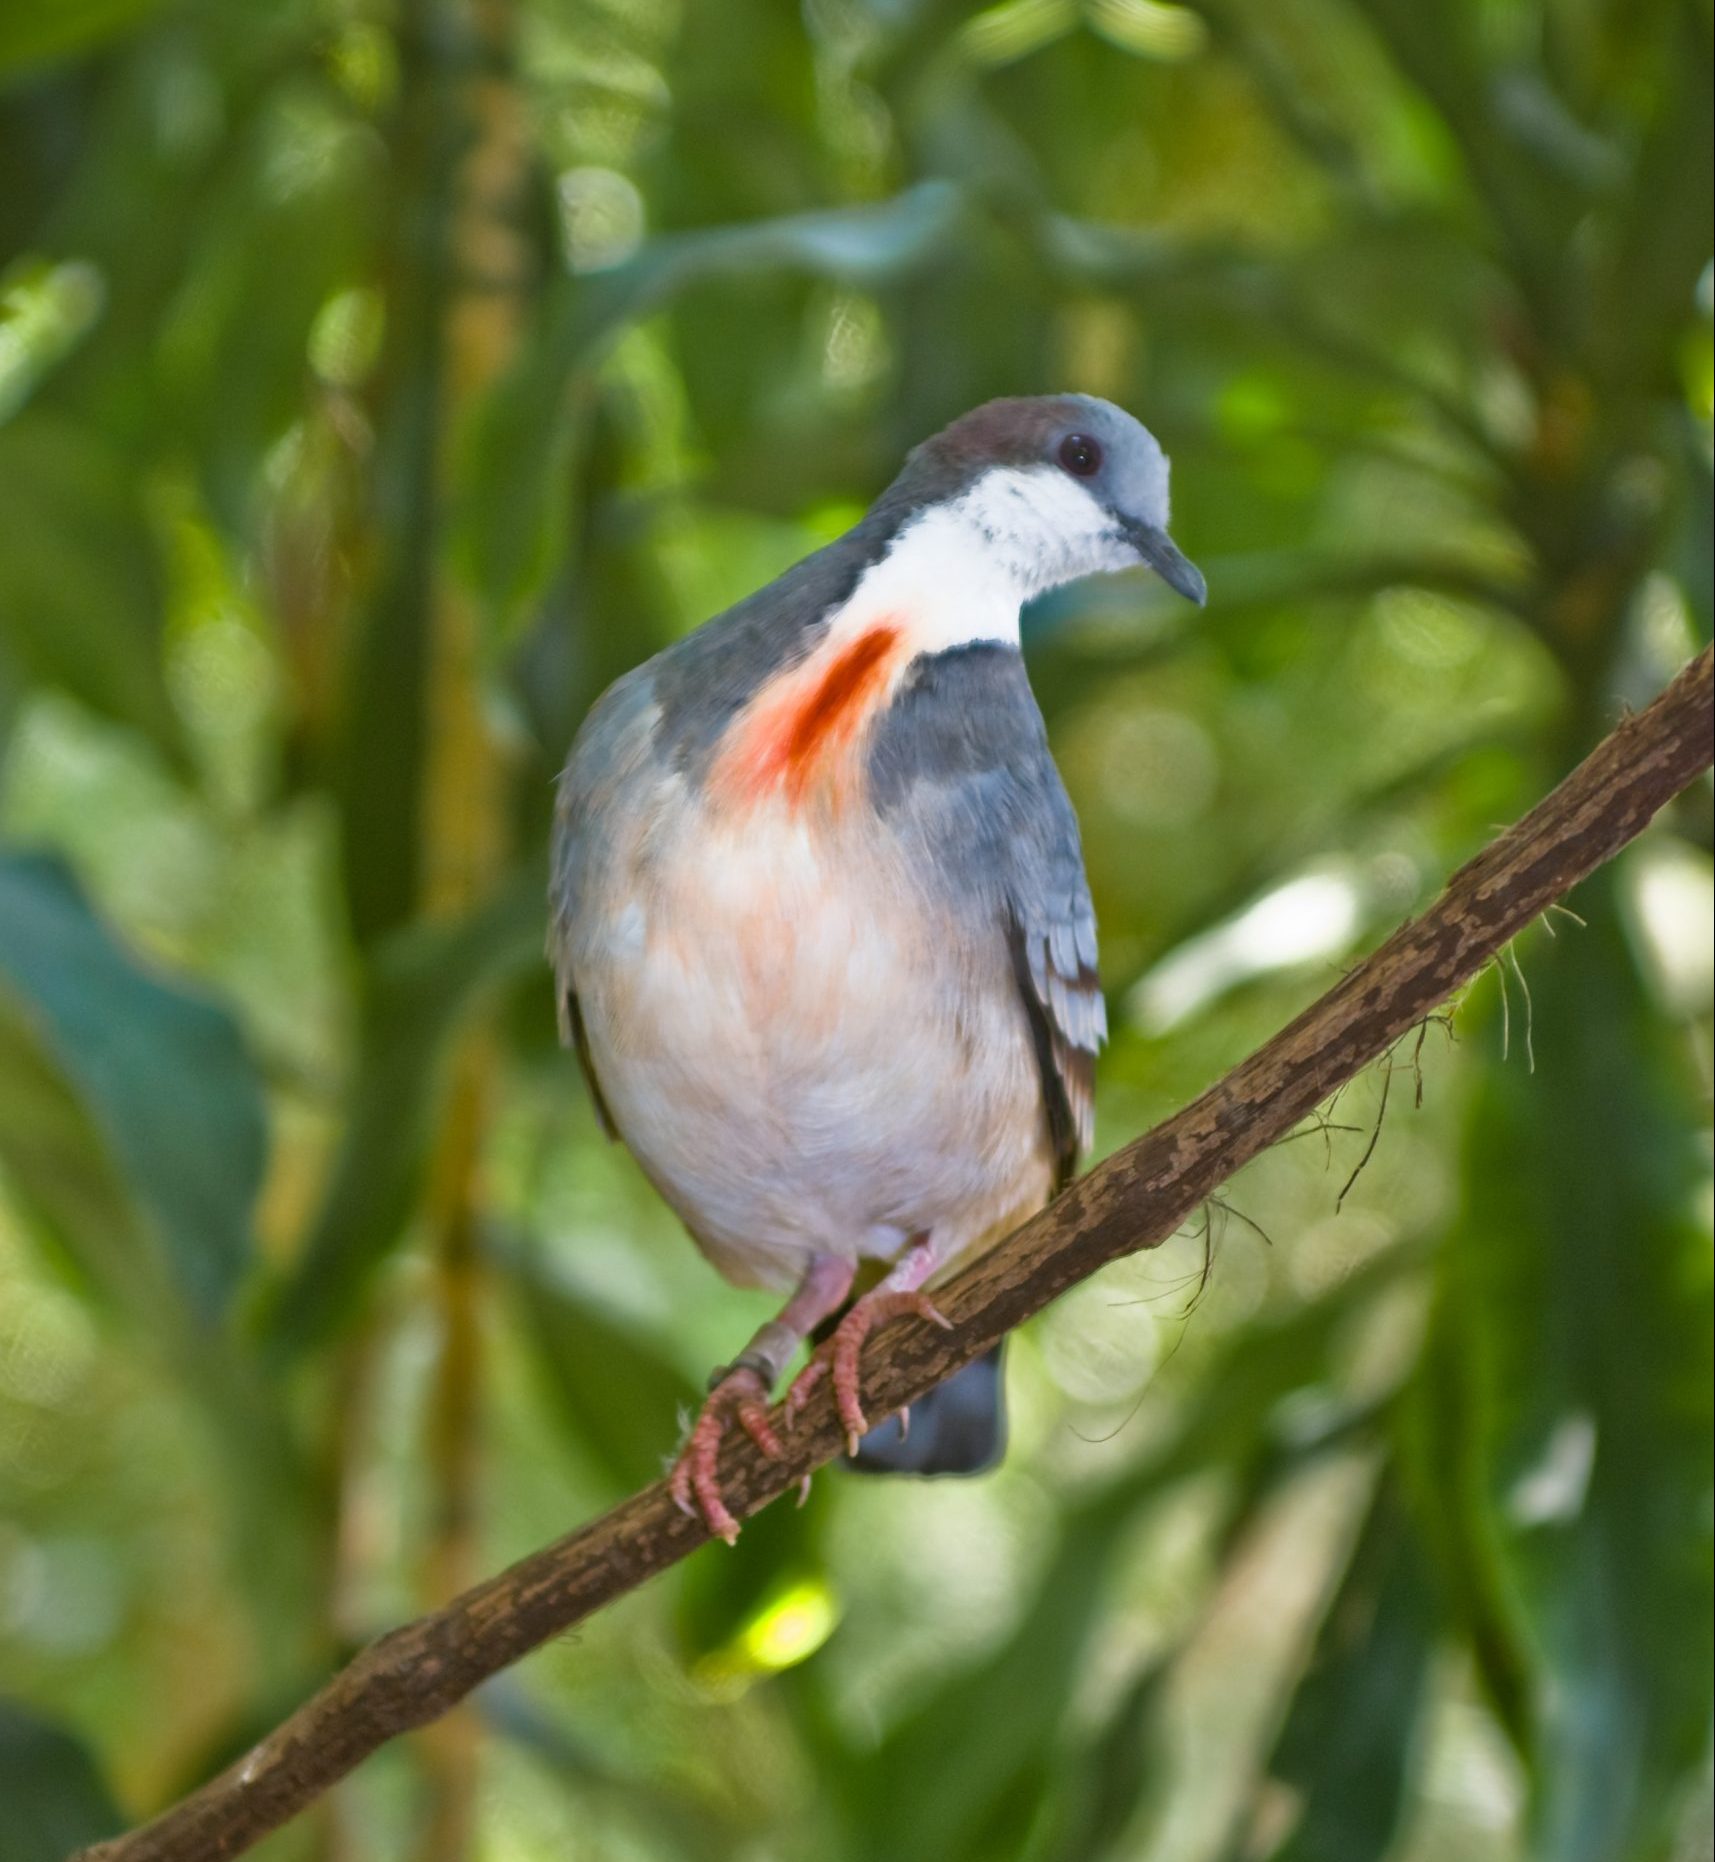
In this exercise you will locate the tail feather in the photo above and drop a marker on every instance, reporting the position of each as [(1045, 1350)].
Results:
[(958, 1428)]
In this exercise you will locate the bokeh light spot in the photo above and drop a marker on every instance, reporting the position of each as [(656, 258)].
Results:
[(601, 218)]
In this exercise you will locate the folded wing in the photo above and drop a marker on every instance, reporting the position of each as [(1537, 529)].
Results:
[(961, 769)]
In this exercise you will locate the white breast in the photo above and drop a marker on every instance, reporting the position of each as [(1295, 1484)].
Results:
[(799, 1056)]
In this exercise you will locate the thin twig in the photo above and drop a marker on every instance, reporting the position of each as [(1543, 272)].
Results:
[(1135, 1199)]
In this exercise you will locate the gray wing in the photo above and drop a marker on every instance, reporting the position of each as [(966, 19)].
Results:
[(603, 778), (961, 767)]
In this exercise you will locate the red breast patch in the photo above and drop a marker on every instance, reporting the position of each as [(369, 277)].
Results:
[(794, 733)]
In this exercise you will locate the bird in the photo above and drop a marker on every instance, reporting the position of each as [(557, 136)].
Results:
[(819, 923)]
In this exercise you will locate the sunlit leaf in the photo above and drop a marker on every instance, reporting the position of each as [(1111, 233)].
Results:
[(724, 1604)]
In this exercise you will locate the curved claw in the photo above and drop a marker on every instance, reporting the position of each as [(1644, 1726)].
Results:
[(844, 1353), (694, 1484)]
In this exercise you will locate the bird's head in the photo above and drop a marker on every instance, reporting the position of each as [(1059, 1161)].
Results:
[(1058, 486)]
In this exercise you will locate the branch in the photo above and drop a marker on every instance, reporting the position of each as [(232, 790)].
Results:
[(1136, 1199)]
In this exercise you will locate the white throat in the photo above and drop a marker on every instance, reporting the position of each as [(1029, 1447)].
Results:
[(961, 571)]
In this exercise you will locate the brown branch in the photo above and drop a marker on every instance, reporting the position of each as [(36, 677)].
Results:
[(1136, 1199)]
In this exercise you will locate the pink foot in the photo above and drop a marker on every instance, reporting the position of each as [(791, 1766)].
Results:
[(843, 1355), (742, 1394)]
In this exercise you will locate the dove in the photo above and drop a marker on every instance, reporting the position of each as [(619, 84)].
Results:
[(820, 928)]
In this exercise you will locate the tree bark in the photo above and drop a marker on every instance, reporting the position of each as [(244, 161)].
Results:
[(1135, 1199)]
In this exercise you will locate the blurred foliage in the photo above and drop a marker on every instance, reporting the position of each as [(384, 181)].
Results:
[(376, 383)]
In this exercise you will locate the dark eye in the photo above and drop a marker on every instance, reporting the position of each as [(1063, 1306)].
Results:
[(1080, 455)]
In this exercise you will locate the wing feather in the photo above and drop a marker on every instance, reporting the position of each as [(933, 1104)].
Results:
[(599, 778), (961, 767)]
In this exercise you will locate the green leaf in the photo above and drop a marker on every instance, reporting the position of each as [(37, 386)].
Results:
[(1350, 1736), (1111, 1780), (1531, 202), (53, 1795), (1578, 1299), (80, 596), (727, 1606), (518, 451), (381, 760), (130, 1093), (1693, 550), (618, 1398), (962, 1778), (34, 32), (1443, 1462), (381, 769), (1658, 243), (587, 1771), (423, 984)]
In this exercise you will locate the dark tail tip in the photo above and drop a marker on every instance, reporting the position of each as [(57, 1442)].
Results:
[(958, 1428)]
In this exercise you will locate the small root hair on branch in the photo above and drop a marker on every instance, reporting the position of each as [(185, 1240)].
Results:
[(1369, 1151)]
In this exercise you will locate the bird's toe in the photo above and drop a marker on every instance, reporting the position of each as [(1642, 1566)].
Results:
[(804, 1386), (695, 1482), (876, 1309)]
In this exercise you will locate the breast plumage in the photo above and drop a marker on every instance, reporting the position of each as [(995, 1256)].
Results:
[(806, 1055)]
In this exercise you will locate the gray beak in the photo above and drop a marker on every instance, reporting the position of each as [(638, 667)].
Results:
[(1168, 561)]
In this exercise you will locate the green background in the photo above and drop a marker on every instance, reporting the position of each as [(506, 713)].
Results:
[(376, 383)]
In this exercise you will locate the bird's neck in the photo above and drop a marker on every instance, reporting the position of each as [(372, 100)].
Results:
[(956, 573), (961, 570)]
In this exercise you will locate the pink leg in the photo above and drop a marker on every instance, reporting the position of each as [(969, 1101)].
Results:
[(741, 1390), (900, 1293)]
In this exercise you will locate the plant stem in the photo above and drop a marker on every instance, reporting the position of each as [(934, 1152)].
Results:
[(463, 852)]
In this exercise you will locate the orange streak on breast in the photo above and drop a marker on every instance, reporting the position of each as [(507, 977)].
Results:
[(795, 731)]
